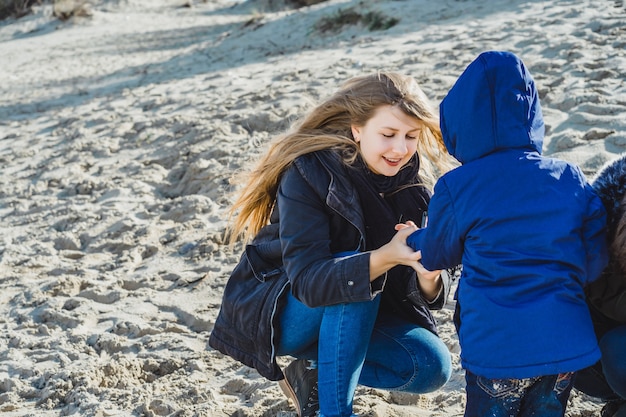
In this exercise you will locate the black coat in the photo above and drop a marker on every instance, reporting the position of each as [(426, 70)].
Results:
[(607, 295), (317, 217)]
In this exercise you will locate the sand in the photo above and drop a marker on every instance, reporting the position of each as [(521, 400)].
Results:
[(121, 126)]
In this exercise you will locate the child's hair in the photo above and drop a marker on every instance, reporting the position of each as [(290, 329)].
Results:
[(328, 126)]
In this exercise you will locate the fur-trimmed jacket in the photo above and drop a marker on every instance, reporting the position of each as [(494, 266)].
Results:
[(607, 295)]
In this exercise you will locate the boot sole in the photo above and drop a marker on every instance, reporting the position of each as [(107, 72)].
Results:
[(288, 391)]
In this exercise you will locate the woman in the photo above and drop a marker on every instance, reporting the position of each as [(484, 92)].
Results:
[(606, 298), (325, 280)]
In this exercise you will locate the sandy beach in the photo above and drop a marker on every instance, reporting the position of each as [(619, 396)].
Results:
[(121, 126)]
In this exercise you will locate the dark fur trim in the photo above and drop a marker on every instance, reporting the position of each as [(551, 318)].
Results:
[(618, 245), (610, 184)]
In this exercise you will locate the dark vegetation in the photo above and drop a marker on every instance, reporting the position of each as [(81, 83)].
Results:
[(372, 20), (66, 9), (16, 8), (62, 9)]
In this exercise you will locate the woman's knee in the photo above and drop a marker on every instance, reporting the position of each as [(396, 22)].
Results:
[(434, 366), (442, 367)]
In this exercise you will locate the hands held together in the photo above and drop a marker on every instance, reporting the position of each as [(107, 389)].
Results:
[(397, 252)]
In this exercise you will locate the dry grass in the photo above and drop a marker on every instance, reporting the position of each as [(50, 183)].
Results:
[(277, 5), (349, 16), (62, 9), (16, 8)]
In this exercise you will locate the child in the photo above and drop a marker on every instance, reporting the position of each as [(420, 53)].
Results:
[(530, 233)]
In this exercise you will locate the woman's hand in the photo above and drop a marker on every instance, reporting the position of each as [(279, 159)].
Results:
[(396, 252), (429, 281)]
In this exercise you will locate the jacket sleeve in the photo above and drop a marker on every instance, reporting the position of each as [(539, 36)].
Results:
[(441, 242), (317, 277), (594, 236), (608, 294)]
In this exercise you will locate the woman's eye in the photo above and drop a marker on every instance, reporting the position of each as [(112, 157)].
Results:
[(388, 135), (411, 137)]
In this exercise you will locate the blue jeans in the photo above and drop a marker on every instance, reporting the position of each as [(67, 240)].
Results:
[(607, 379), (544, 396), (354, 344)]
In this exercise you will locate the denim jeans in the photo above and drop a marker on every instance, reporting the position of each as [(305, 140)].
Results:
[(354, 344), (607, 379), (544, 396)]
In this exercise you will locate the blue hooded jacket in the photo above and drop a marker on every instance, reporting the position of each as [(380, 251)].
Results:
[(529, 230)]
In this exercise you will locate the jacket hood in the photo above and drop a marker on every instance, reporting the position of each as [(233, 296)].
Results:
[(494, 105)]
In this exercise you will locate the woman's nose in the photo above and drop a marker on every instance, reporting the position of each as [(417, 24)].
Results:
[(399, 146)]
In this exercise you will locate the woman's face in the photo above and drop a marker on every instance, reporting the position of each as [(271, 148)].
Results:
[(388, 140)]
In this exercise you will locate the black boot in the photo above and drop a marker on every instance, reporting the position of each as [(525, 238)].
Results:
[(300, 386), (614, 408)]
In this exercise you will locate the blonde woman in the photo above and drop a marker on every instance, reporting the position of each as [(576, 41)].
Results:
[(326, 279)]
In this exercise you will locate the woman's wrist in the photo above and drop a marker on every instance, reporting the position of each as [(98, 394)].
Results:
[(431, 288), (380, 262)]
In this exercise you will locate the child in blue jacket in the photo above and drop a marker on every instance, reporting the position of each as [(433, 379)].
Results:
[(530, 234)]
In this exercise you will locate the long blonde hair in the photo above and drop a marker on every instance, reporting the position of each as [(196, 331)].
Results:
[(328, 126)]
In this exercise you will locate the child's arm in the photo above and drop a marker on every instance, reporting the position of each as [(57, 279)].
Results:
[(441, 243)]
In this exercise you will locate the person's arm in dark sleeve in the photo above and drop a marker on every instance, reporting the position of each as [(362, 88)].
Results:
[(317, 277)]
